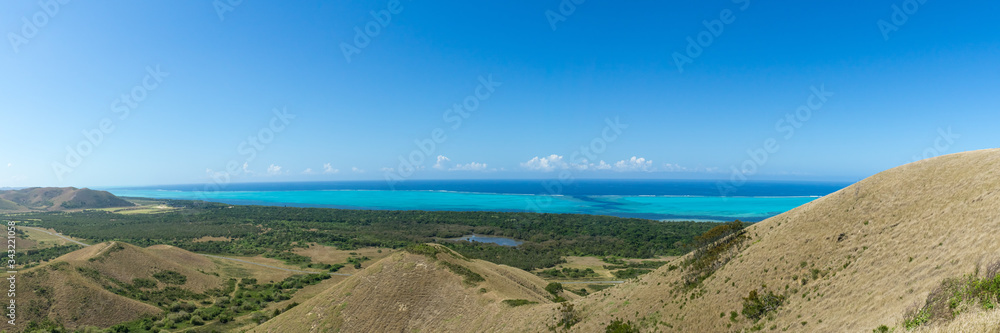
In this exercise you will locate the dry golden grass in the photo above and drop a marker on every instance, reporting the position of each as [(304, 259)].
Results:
[(597, 265), (57, 290), (407, 292), (134, 262), (211, 239), (879, 247), (72, 299), (944, 213), (330, 255)]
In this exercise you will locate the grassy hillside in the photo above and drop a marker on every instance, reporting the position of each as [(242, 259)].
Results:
[(859, 258), (125, 288), (77, 289), (430, 288), (916, 246), (9, 205), (55, 198)]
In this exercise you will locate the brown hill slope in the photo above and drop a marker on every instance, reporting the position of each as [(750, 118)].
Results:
[(72, 289), (59, 198), (851, 261), (412, 292)]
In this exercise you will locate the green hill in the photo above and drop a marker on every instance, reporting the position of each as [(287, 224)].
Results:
[(58, 198)]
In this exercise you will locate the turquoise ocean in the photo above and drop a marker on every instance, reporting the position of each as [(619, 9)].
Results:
[(652, 199)]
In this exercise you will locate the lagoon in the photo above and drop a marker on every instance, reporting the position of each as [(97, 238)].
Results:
[(661, 200)]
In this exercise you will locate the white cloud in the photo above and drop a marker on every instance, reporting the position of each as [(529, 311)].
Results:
[(9, 164), (356, 170), (674, 168), (545, 163), (440, 162), (385, 169), (246, 168), (634, 164), (327, 168), (307, 171), (586, 165), (274, 170), (215, 174), (471, 166)]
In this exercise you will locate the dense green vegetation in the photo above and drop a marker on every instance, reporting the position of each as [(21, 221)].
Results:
[(170, 277), (713, 249), (957, 294), (518, 302), (32, 257), (184, 309), (274, 231), (568, 273), (647, 264), (468, 276)]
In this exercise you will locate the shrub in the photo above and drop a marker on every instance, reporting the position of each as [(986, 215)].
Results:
[(170, 277), (599, 287), (554, 288), (568, 316), (713, 250), (620, 326), (424, 249), (470, 277), (946, 301), (517, 302), (882, 329), (143, 283), (756, 306)]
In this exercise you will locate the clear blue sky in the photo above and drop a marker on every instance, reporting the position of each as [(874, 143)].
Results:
[(224, 75)]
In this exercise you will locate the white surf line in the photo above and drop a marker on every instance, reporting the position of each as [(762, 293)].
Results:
[(207, 255)]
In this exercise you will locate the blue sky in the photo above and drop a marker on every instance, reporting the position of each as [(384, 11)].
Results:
[(201, 77)]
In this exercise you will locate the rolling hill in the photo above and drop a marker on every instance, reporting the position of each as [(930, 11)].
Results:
[(58, 198), (75, 289), (874, 253), (435, 291), (851, 261)]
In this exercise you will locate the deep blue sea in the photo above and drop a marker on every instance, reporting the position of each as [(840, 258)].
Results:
[(654, 199)]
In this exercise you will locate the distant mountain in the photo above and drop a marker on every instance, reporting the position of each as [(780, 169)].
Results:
[(58, 198)]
